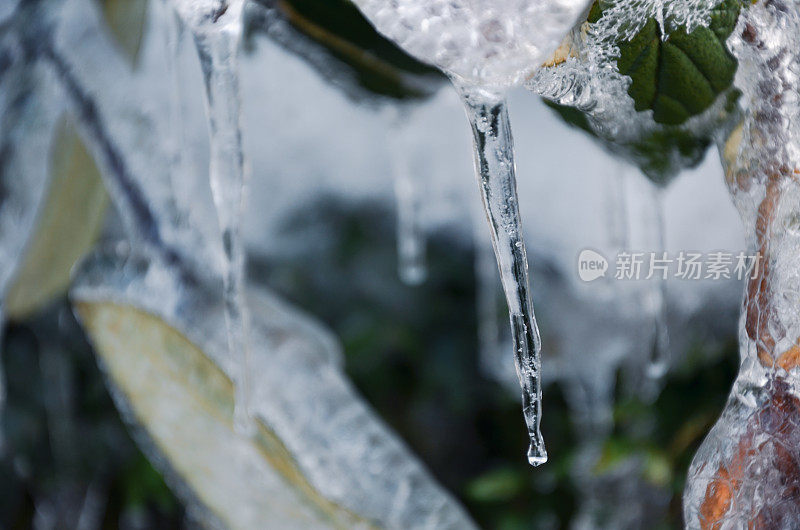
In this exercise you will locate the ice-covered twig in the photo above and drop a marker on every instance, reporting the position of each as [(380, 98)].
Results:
[(747, 474)]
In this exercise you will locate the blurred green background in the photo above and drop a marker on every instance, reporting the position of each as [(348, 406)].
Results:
[(411, 351)]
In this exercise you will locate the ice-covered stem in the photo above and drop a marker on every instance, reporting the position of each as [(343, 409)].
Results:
[(54, 36), (747, 472), (138, 216), (763, 176), (494, 166), (216, 28)]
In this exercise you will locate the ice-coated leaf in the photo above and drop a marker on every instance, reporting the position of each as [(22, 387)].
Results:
[(318, 456), (69, 221), (651, 81), (185, 402), (681, 75), (29, 111)]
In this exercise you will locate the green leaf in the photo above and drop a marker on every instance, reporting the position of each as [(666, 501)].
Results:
[(679, 76)]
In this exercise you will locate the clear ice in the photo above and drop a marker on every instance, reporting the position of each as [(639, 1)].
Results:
[(339, 450), (746, 473), (494, 347), (494, 166), (325, 436), (217, 27), (486, 51), (583, 74), (498, 44)]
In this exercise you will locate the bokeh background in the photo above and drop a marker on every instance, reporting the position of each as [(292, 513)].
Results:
[(325, 139)]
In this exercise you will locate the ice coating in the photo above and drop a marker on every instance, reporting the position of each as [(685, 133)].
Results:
[(29, 108), (498, 43), (343, 450), (486, 49), (375, 475), (494, 167), (217, 27), (583, 73), (104, 97), (747, 471)]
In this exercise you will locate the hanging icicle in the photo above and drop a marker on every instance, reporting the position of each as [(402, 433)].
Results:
[(658, 362), (494, 166), (217, 28), (409, 194)]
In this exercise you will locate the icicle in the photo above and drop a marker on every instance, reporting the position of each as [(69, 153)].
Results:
[(494, 340), (617, 209), (412, 264), (486, 304), (411, 256), (659, 354), (494, 165), (490, 343), (217, 36)]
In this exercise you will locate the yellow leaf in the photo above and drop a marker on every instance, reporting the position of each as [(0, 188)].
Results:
[(185, 404), (69, 222)]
